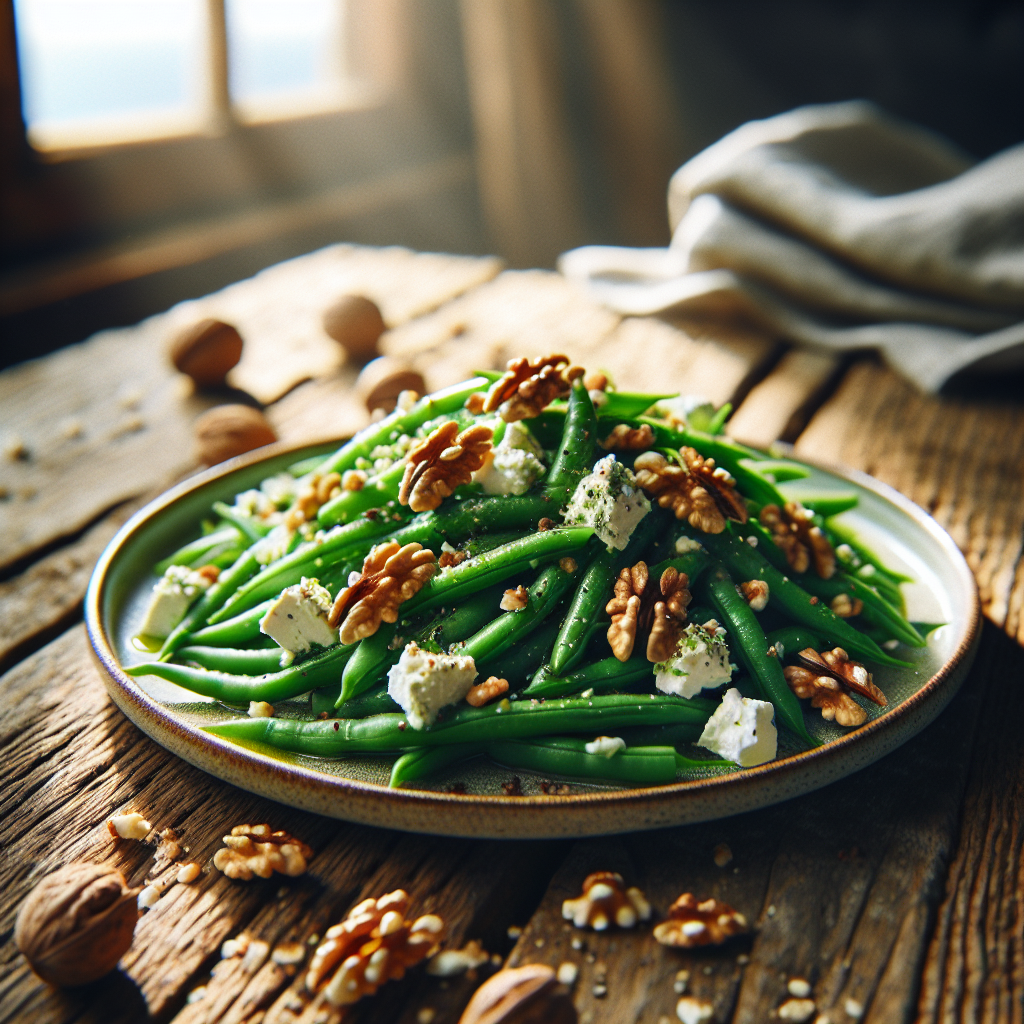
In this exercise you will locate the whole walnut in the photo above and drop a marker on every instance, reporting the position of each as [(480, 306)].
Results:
[(76, 924), (229, 430), (206, 350), (354, 321), (521, 995)]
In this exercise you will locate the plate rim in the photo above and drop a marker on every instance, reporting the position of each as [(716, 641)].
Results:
[(590, 813)]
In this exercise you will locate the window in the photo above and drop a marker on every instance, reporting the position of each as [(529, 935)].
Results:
[(98, 72)]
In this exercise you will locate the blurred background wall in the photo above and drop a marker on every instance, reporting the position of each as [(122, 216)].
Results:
[(521, 127)]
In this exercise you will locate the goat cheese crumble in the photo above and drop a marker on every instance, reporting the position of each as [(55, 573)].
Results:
[(173, 595), (298, 618), (423, 682), (609, 501), (701, 662), (513, 465), (742, 730)]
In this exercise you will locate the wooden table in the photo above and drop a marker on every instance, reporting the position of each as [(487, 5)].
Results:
[(899, 890)]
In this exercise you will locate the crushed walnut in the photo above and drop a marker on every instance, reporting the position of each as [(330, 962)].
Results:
[(827, 694), (128, 826), (629, 439), (695, 490), (755, 593), (483, 693), (637, 609), (606, 900), (319, 491), (792, 528), (475, 403), (846, 606), (837, 664), (391, 575), (353, 480), (441, 462), (708, 923), (515, 600), (373, 945), (527, 388), (450, 559), (259, 850)]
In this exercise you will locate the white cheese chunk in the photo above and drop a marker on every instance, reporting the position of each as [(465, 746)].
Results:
[(423, 682), (609, 746), (274, 546), (173, 595), (741, 730), (514, 465), (298, 618), (701, 662), (608, 500)]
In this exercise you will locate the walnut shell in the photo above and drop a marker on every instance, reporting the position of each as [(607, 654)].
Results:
[(229, 430), (206, 351), (354, 321), (76, 924), (520, 995), (381, 382)]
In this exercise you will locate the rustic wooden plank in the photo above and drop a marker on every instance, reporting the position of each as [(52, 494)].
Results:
[(775, 408), (98, 423), (41, 602), (962, 461), (72, 759)]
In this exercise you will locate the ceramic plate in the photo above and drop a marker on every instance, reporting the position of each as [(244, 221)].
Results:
[(356, 788)]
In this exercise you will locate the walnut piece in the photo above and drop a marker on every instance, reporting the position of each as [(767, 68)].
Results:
[(846, 606), (391, 575), (529, 387), (521, 995), (451, 962), (605, 900), (755, 593), (515, 600), (629, 439), (837, 663), (373, 945), (637, 609), (792, 528), (827, 694), (483, 693), (442, 461), (259, 850), (128, 826), (690, 923), (318, 491), (76, 924), (695, 491)]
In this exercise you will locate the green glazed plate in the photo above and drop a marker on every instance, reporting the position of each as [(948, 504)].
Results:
[(356, 789)]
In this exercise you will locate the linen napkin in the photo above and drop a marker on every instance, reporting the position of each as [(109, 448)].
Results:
[(839, 227)]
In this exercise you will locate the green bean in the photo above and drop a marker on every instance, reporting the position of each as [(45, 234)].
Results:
[(606, 674), (876, 609), (458, 582), (509, 627), (493, 513), (426, 761), (793, 639), (748, 564), (197, 549), (577, 449), (401, 422), (234, 660), (306, 466), (520, 661), (240, 689), (377, 491), (465, 619), (847, 535), (374, 702), (250, 527), (678, 735), (593, 594), (778, 470), (504, 720), (232, 632), (829, 504), (752, 649), (374, 655), (567, 755)]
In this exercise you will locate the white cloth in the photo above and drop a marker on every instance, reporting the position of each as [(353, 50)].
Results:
[(841, 228)]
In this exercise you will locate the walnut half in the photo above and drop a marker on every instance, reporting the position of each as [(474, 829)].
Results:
[(692, 923), (527, 388), (827, 694), (441, 462), (636, 610), (792, 528), (259, 850), (391, 575), (606, 900)]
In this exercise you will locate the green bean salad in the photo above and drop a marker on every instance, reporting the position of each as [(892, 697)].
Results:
[(533, 567)]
